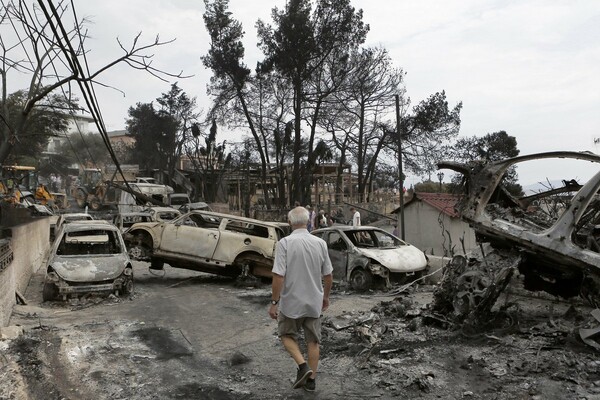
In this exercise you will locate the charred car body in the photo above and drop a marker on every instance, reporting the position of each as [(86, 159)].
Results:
[(66, 218), (163, 214), (360, 255), (209, 242), (559, 251), (88, 256)]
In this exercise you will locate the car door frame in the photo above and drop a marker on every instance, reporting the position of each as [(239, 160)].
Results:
[(189, 241), (335, 255)]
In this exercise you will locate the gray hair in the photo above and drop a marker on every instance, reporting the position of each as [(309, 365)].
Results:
[(298, 216)]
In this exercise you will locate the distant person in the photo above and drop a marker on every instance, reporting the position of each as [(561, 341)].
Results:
[(396, 232), (312, 216), (355, 217), (339, 216), (322, 219), (298, 295), (330, 221), (53, 183), (68, 183)]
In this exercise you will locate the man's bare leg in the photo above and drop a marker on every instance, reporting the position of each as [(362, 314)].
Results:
[(292, 347), (313, 357)]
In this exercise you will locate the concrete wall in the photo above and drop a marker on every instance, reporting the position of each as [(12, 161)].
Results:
[(29, 244), (423, 230)]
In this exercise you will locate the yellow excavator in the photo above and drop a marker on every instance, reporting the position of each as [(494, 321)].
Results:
[(19, 184)]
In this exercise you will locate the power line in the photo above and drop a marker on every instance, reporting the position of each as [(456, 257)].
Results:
[(85, 85)]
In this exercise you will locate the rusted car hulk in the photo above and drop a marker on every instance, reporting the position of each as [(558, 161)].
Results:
[(206, 241), (555, 253)]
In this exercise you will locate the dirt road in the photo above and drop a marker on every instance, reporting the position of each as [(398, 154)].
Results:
[(188, 335)]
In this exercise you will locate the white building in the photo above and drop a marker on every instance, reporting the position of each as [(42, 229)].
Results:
[(432, 224)]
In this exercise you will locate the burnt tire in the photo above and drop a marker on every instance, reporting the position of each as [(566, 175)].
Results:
[(128, 286), (95, 205), (361, 280), (50, 291)]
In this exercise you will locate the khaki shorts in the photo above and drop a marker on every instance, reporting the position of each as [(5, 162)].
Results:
[(291, 327)]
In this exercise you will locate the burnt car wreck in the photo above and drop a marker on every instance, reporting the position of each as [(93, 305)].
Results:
[(551, 237)]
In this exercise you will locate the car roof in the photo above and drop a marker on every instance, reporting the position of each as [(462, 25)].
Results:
[(347, 228), (135, 214), (163, 209), (87, 225), (76, 215), (234, 217)]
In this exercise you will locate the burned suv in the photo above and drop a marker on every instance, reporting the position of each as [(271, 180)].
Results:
[(206, 241)]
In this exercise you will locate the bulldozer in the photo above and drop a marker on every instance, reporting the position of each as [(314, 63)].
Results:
[(93, 191), (97, 188)]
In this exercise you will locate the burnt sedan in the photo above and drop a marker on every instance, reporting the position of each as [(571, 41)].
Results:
[(365, 254), (88, 256)]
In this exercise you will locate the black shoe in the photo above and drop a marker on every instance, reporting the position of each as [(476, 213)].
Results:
[(309, 386), (304, 372)]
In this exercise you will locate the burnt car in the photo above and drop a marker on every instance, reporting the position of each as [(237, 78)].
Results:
[(66, 218), (124, 221), (363, 254), (555, 231), (88, 256), (163, 214), (206, 241)]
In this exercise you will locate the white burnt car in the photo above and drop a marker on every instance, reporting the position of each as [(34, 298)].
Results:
[(206, 241), (88, 256), (360, 255), (67, 218), (166, 214)]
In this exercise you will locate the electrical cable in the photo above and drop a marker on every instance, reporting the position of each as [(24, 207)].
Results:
[(76, 125)]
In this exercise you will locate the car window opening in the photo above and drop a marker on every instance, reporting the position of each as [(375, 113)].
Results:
[(89, 243), (247, 228)]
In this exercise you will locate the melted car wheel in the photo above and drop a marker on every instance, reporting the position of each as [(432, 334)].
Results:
[(471, 288), (140, 249), (128, 287), (361, 280)]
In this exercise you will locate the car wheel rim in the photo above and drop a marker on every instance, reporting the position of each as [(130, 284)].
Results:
[(135, 252)]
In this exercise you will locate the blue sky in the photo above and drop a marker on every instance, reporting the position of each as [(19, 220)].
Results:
[(529, 67)]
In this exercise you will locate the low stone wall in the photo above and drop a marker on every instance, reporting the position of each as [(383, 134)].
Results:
[(29, 245)]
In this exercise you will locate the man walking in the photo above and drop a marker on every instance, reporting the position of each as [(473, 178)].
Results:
[(298, 294)]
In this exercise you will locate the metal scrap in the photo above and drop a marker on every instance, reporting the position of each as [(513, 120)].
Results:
[(589, 335), (554, 234)]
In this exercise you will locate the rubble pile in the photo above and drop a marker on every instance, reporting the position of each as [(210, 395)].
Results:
[(470, 287), (525, 351)]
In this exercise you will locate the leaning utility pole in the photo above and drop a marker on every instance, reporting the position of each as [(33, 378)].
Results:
[(399, 135)]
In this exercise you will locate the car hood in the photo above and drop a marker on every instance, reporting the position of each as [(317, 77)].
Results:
[(400, 259), (90, 268)]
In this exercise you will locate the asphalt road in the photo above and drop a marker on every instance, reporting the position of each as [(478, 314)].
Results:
[(181, 335)]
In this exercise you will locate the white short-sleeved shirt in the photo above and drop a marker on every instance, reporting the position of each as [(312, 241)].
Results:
[(302, 259), (356, 219)]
